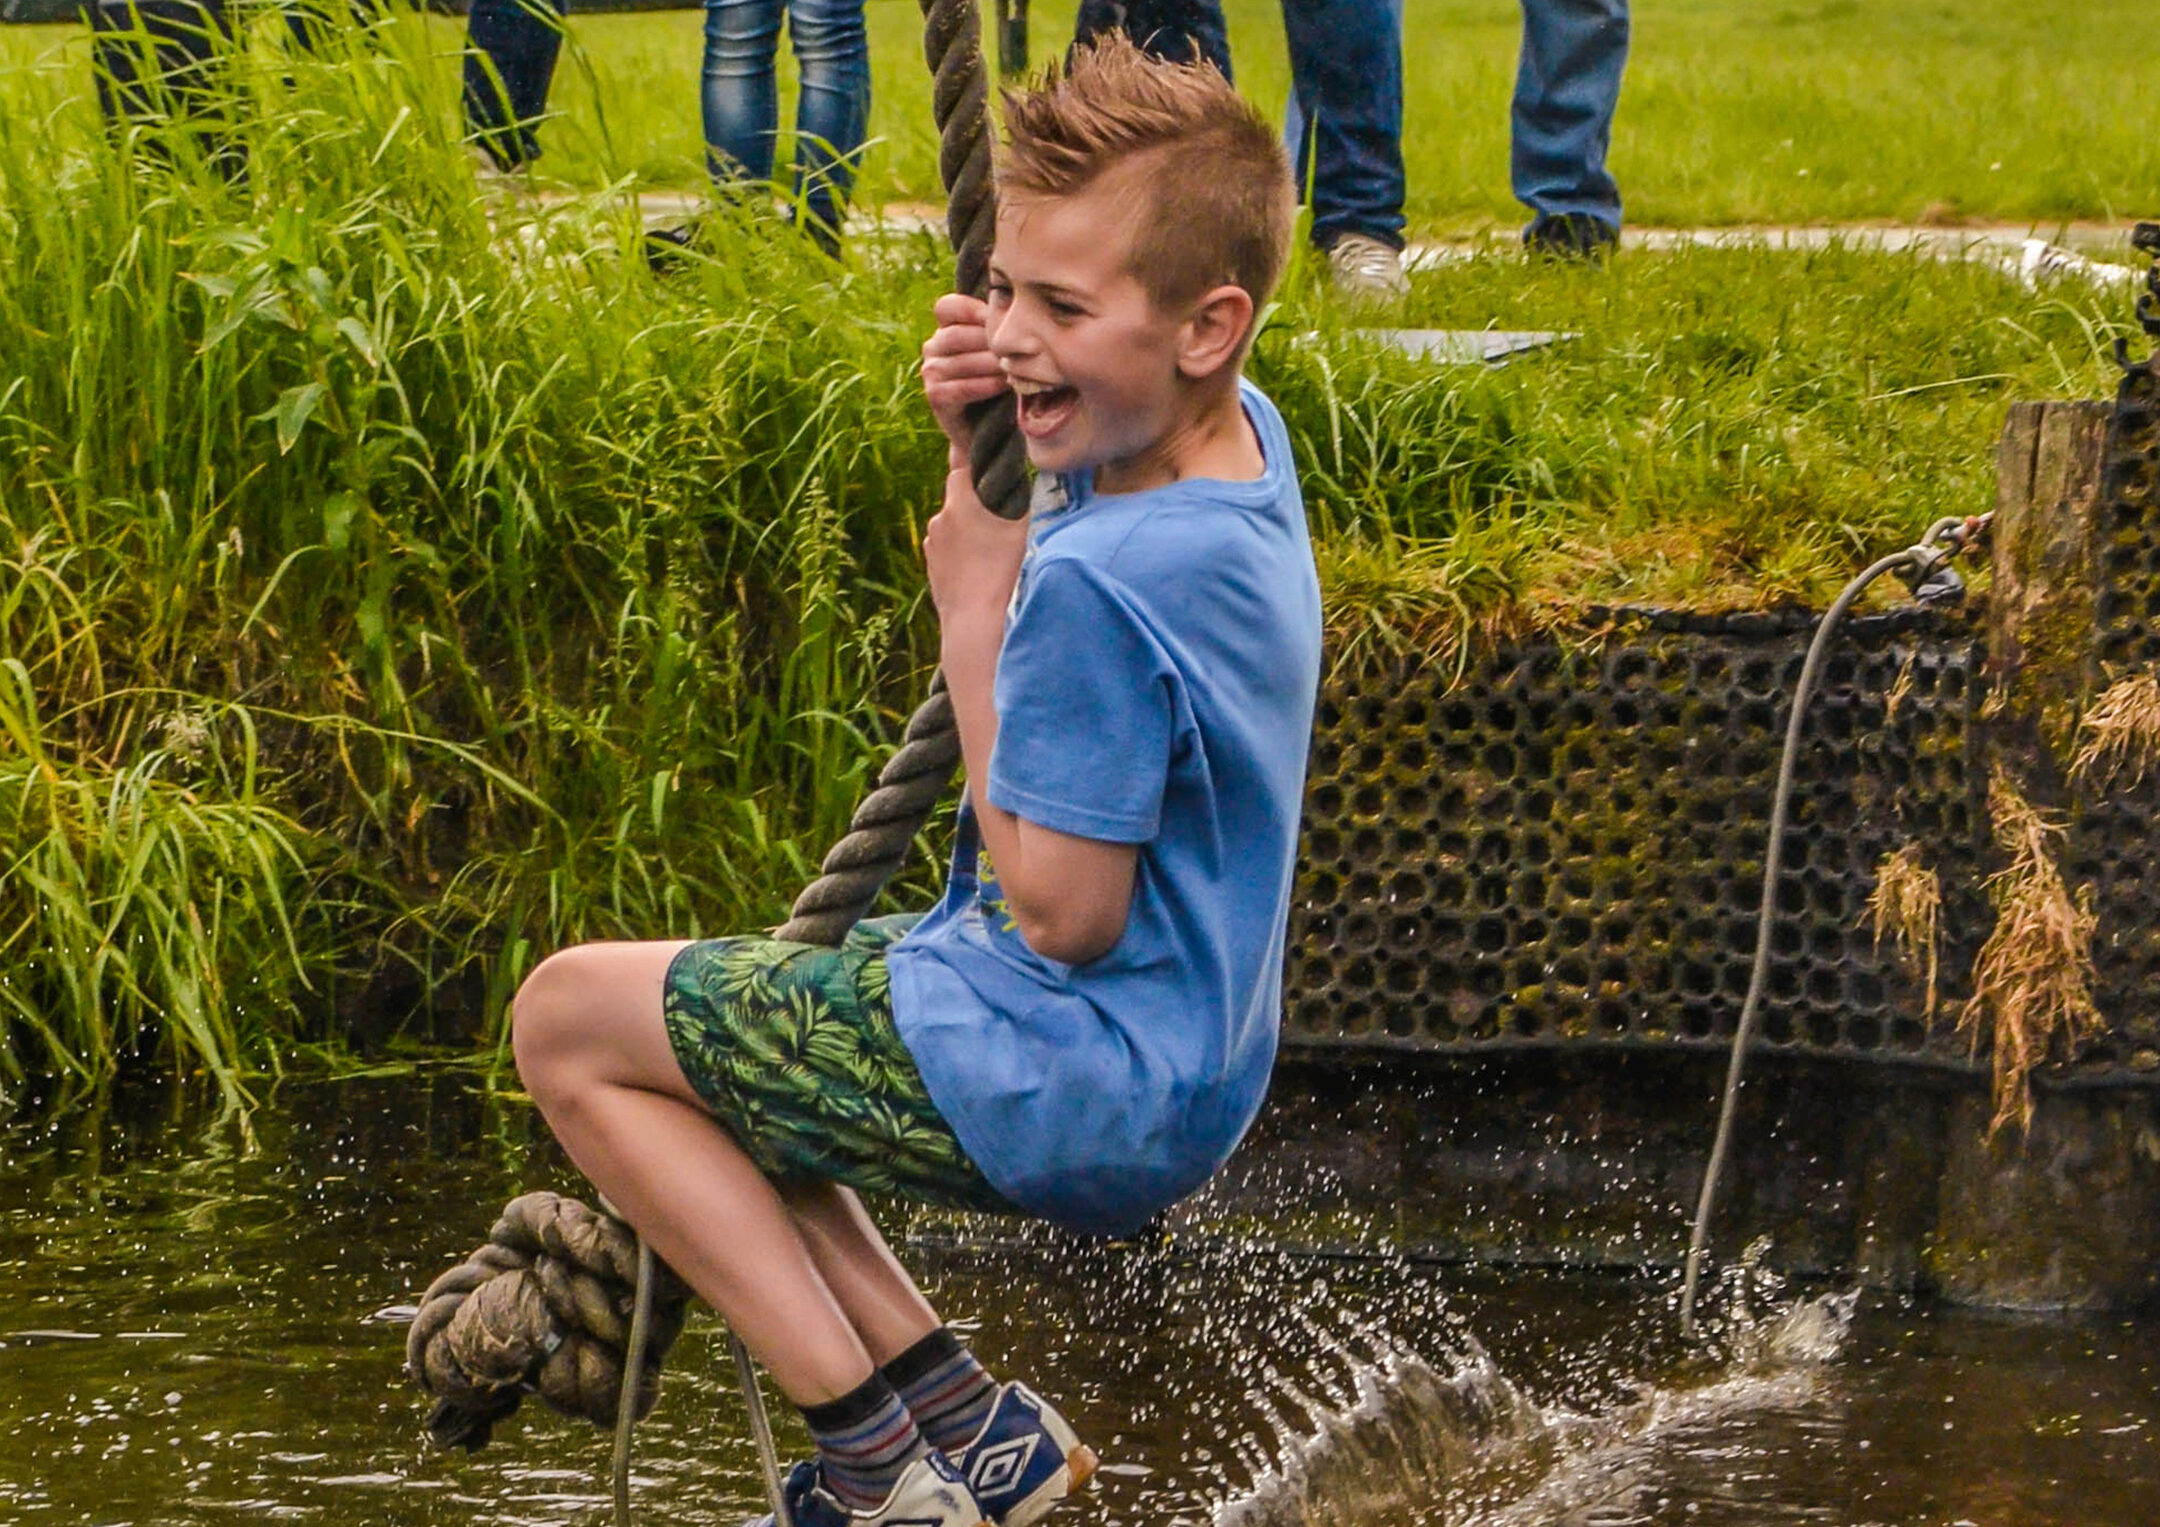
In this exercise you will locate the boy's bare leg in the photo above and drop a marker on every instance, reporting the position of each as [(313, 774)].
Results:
[(882, 1302), (948, 1393), (592, 1048)]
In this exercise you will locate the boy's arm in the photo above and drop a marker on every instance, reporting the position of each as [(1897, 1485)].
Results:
[(1069, 895)]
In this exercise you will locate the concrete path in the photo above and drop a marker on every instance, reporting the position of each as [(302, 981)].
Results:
[(2094, 251), (2031, 252)]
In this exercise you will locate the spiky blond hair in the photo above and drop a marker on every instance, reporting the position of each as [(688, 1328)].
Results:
[(1206, 177)]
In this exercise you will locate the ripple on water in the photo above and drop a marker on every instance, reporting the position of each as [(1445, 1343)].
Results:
[(256, 1369)]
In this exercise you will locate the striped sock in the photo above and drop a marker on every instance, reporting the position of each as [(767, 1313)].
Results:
[(947, 1392), (864, 1439)]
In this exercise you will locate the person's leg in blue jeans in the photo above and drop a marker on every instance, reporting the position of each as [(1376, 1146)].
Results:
[(740, 99), (1566, 90), (742, 103), (1346, 72), (832, 116), (508, 67), (1177, 30), (1294, 123)]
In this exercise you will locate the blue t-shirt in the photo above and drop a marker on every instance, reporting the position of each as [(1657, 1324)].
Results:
[(1155, 687)]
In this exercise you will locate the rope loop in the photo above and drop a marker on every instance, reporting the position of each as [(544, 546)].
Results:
[(543, 1307)]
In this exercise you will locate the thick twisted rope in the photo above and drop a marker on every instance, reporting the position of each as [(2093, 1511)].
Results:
[(510, 1318), (886, 824), (543, 1307)]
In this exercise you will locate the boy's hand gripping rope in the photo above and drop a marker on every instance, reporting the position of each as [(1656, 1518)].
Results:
[(886, 824), (513, 1337)]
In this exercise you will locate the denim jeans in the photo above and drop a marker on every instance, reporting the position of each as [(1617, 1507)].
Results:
[(509, 61), (1346, 84), (508, 67), (1566, 90), (1346, 72), (1178, 30), (742, 101), (1294, 124)]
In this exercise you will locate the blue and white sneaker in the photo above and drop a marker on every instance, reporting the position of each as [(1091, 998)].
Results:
[(930, 1493), (1025, 1459)]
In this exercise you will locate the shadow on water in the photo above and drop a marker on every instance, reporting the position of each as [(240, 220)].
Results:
[(195, 1331)]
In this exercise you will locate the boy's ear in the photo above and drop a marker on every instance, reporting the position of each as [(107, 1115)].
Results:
[(1214, 336)]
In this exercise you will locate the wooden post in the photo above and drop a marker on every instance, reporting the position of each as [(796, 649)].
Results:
[(2066, 1216), (2047, 490)]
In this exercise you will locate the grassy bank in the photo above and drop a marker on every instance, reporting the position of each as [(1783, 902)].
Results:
[(1734, 111), (396, 582)]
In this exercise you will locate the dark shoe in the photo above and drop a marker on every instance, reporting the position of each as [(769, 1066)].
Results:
[(668, 250), (821, 234), (1570, 236), (1025, 1459), (930, 1493)]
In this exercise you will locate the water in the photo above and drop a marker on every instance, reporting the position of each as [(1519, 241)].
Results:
[(199, 1328)]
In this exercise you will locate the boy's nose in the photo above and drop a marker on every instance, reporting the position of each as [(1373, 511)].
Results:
[(1009, 335)]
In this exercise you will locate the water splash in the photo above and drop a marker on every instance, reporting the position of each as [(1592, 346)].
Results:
[(1454, 1442)]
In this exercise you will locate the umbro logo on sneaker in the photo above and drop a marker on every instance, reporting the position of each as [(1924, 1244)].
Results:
[(1025, 1459), (998, 1468)]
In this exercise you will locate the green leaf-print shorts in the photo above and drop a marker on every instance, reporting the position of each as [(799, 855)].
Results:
[(792, 1047)]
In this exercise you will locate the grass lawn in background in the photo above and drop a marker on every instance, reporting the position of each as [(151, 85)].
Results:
[(411, 563), (1734, 111)]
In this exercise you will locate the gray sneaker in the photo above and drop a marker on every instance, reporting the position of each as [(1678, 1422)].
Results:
[(1367, 268)]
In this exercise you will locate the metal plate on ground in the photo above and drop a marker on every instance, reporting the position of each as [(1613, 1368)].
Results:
[(1467, 347)]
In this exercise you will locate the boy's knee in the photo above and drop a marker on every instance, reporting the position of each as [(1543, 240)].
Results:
[(548, 1026), (828, 36)]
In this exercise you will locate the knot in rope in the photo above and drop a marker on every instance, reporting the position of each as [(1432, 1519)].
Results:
[(545, 1307)]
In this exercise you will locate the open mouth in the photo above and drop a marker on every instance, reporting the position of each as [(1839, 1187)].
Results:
[(1043, 410)]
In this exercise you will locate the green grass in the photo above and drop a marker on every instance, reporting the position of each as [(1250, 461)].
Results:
[(560, 599), (400, 583), (1734, 111)]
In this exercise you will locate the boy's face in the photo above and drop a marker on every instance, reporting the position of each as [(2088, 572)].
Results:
[(1091, 358)]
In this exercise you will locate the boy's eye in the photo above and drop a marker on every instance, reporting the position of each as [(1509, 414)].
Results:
[(1064, 309)]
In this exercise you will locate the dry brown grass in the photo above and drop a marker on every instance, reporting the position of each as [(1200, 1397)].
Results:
[(2121, 734), (1900, 689), (1907, 907), (2032, 983)]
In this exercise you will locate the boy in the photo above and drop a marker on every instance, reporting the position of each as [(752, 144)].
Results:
[(1083, 1028)]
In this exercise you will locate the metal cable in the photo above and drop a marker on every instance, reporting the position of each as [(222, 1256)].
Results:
[(633, 1373), (1943, 540), (761, 1431), (1773, 856)]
